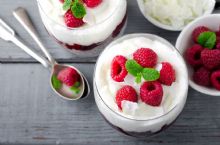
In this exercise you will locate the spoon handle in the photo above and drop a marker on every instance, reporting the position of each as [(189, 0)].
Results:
[(8, 34), (21, 15), (32, 53)]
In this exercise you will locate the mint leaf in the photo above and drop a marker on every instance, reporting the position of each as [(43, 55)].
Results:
[(67, 4), (150, 74), (207, 39), (56, 83), (133, 67), (75, 90), (77, 84), (138, 78), (78, 10)]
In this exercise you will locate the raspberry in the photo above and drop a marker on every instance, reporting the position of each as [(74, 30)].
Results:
[(118, 69), (215, 79), (197, 31), (167, 74), (210, 58), (202, 76), (126, 93), (145, 57), (151, 93), (68, 76), (62, 1), (92, 3), (72, 21), (193, 55)]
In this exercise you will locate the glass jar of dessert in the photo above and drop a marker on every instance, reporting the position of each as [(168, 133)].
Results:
[(84, 27), (140, 84)]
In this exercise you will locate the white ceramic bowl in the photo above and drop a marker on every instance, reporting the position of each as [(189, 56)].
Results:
[(185, 40), (164, 26)]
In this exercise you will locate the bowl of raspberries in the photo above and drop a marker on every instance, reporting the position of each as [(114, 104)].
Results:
[(199, 43)]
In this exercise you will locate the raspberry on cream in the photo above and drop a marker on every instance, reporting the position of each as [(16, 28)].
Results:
[(92, 30), (154, 110)]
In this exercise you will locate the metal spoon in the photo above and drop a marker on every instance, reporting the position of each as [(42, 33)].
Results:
[(8, 34), (21, 15)]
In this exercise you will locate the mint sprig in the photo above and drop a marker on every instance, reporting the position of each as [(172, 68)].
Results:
[(135, 69), (138, 78), (150, 74), (207, 39), (56, 83), (75, 88), (67, 4), (78, 10), (76, 7)]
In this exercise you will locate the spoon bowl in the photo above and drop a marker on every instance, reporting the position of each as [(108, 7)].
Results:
[(65, 92)]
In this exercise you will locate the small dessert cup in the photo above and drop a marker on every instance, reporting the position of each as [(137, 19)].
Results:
[(133, 125), (88, 40)]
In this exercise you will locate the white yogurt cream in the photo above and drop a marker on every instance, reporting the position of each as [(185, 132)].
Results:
[(176, 13), (174, 96), (100, 21)]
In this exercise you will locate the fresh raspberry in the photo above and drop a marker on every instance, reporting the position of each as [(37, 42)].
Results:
[(68, 76), (202, 76), (126, 93), (92, 3), (197, 31), (145, 57), (193, 55), (167, 74), (151, 93), (62, 1), (210, 58), (118, 69), (215, 79), (72, 21)]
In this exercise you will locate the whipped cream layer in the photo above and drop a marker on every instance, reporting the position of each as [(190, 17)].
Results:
[(107, 87), (100, 21)]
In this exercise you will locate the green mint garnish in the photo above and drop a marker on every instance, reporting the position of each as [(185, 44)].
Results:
[(77, 84), (67, 4), (138, 78), (75, 89), (56, 83), (207, 39), (133, 67), (76, 7), (78, 10), (150, 74)]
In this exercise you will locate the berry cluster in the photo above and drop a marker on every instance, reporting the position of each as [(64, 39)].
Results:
[(75, 11), (142, 66), (69, 77), (204, 57)]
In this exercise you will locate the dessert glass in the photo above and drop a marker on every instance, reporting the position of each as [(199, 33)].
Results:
[(140, 127), (87, 41)]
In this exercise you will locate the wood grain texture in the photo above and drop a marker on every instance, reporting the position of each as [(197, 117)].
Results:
[(31, 113)]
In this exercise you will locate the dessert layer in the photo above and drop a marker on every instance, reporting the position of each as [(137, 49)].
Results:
[(100, 21), (107, 87)]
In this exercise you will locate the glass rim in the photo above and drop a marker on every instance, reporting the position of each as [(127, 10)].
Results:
[(145, 35), (79, 28)]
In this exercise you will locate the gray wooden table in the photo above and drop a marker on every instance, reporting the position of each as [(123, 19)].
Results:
[(31, 113)]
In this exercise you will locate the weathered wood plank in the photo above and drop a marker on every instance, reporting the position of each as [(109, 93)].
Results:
[(31, 113)]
